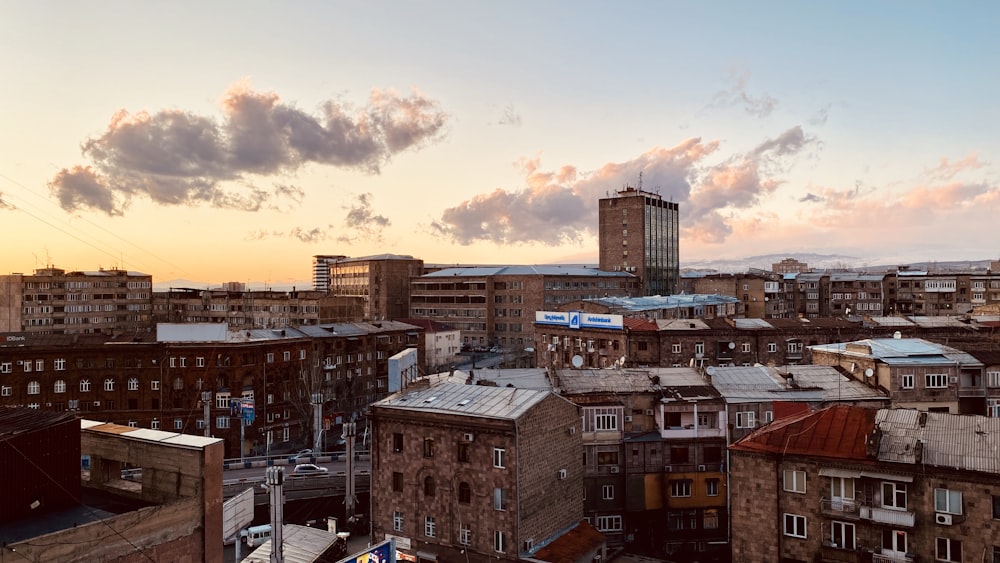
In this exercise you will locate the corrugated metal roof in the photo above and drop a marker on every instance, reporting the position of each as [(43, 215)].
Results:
[(892, 321), (901, 351), (543, 270), (657, 302), (938, 322), (301, 544), (476, 400), (809, 383), (673, 383), (747, 324), (682, 324), (836, 432), (958, 441)]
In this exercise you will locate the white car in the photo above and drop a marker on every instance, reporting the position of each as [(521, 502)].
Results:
[(308, 469)]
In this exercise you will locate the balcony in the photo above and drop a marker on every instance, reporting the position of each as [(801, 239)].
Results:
[(887, 516), (690, 431), (846, 509), (879, 558)]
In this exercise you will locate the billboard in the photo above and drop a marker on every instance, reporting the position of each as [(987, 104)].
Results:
[(402, 369), (579, 319), (237, 513), (384, 552)]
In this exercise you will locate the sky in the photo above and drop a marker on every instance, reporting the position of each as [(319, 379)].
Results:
[(232, 141)]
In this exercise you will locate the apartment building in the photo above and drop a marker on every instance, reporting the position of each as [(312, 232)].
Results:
[(593, 341), (382, 281), (638, 232), (442, 344), (495, 306), (654, 443), (159, 384), (851, 484), (916, 373), (321, 270), (696, 306), (54, 301), (241, 309), (475, 473)]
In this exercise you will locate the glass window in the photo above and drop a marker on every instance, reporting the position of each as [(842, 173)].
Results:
[(795, 525), (795, 481), (948, 501)]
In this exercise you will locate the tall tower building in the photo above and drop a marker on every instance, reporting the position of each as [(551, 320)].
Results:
[(321, 270), (638, 233)]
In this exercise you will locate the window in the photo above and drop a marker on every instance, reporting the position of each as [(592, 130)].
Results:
[(710, 519), (746, 348), (430, 527), (59, 364), (222, 400), (992, 379), (949, 501), (155, 385), (795, 525), (712, 487), (936, 380), (996, 507), (109, 384), (60, 386), (906, 381), (746, 419), (397, 481), (464, 534), (498, 457), (675, 348), (464, 493), (269, 357), (768, 416), (499, 499), (429, 486), (199, 362), (155, 424), (34, 388), (842, 534), (178, 424), (605, 419), (795, 481), (893, 495), (428, 447), (6, 391), (464, 455), (680, 487), (286, 356), (222, 422), (397, 442), (84, 385), (200, 424), (133, 384), (609, 523), (397, 521), (947, 549), (608, 492), (699, 347), (499, 541), (772, 347)]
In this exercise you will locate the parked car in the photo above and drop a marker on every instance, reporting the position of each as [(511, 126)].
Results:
[(309, 469)]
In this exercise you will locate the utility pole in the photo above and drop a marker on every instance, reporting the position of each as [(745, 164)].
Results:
[(350, 429), (317, 408), (206, 403), (274, 479)]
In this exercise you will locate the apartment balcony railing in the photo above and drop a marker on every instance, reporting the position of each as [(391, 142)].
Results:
[(691, 432), (879, 558), (841, 508), (887, 516), (971, 392)]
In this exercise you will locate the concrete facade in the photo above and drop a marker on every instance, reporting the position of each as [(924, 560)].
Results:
[(638, 232)]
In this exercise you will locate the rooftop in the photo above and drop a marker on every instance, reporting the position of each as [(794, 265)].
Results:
[(837, 432), (475, 400), (674, 384), (538, 270)]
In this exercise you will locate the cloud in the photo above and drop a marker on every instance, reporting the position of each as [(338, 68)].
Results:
[(315, 234), (810, 198), (174, 157), (510, 117), (559, 207), (821, 116), (363, 221), (5, 204), (758, 106), (948, 169)]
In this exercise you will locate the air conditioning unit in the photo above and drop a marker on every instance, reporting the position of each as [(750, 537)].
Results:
[(571, 430), (628, 418), (277, 416), (942, 519), (614, 469), (954, 379), (701, 468), (468, 436), (562, 474), (48, 404), (649, 412), (668, 468), (97, 403)]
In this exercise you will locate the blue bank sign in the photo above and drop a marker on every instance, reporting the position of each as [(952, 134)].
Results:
[(578, 319)]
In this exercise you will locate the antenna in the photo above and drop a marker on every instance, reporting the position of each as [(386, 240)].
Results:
[(640, 180)]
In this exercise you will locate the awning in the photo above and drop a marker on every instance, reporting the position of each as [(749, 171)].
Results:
[(837, 472), (888, 476)]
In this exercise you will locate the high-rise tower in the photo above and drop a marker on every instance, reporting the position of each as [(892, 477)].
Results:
[(638, 233)]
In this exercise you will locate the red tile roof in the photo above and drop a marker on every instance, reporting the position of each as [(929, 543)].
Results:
[(571, 546), (639, 324), (839, 431)]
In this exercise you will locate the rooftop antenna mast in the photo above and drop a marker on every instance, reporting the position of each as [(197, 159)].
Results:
[(640, 180)]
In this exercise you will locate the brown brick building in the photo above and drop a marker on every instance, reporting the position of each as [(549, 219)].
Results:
[(382, 280), (493, 471), (850, 484), (638, 232)]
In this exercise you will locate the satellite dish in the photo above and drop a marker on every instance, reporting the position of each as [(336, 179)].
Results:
[(732, 345), (897, 335), (621, 361), (869, 372), (710, 370), (578, 361)]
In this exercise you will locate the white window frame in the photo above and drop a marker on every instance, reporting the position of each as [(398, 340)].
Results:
[(892, 500), (797, 529), (992, 379), (772, 347), (794, 481), (948, 545), (6, 391), (499, 541), (746, 419), (133, 384), (906, 381), (948, 501), (499, 499), (84, 385), (59, 386), (430, 526), (840, 537), (178, 424), (712, 487), (109, 384), (680, 488), (936, 380), (464, 534), (675, 348), (612, 523), (397, 521), (59, 364), (222, 421), (499, 457), (34, 388), (608, 492), (746, 348), (605, 420)]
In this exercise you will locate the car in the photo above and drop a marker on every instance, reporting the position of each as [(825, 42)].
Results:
[(303, 454), (309, 469)]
